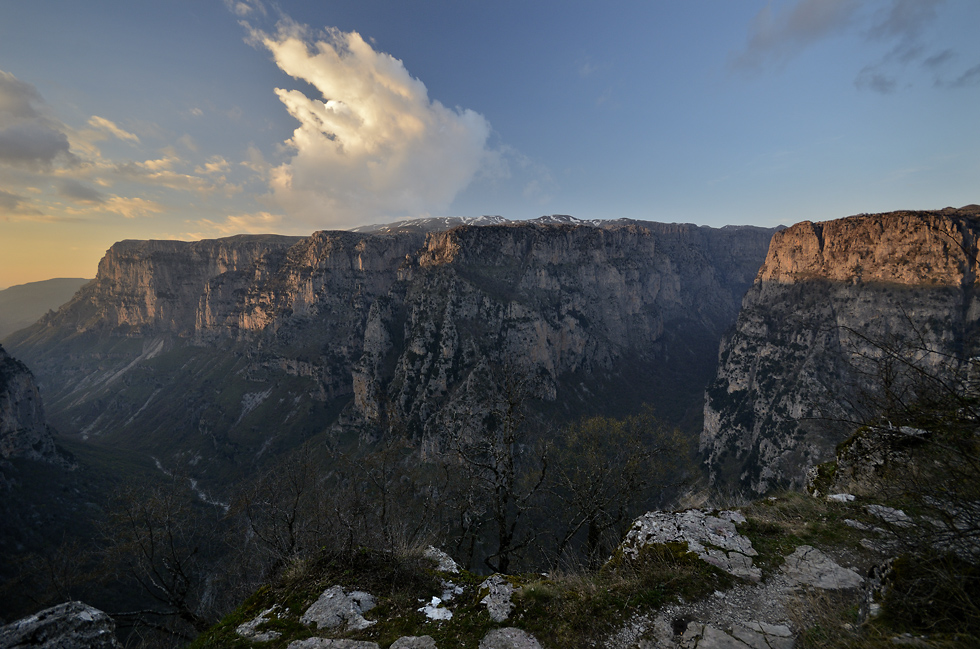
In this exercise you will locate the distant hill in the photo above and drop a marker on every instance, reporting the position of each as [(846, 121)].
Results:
[(22, 305)]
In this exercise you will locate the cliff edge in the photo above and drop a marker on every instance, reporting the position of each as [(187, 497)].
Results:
[(835, 308)]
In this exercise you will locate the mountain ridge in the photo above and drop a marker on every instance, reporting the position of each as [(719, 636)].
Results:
[(21, 305)]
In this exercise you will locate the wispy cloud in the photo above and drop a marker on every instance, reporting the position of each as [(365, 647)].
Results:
[(110, 127), (214, 165), (775, 38), (132, 208), (245, 8), (17, 99), (373, 143), (77, 191), (255, 223), (900, 26), (873, 78), (939, 59), (11, 203), (903, 22), (255, 161), (969, 78)]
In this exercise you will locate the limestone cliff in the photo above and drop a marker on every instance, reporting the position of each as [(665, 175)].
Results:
[(805, 358), (24, 432), (145, 287), (583, 314), (218, 353)]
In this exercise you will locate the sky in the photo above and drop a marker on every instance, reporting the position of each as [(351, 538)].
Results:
[(190, 119)]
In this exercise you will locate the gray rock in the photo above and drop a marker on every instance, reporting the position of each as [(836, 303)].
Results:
[(875, 590), (509, 638), (909, 641), (446, 563), (705, 636), (248, 629), (498, 599), (334, 608), (328, 643), (890, 515), (760, 635), (72, 625), (754, 635), (714, 538), (811, 567), (414, 642), (364, 601)]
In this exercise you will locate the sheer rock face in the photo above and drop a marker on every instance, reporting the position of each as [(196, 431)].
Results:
[(145, 287), (237, 339), (24, 432), (232, 286), (801, 361), (547, 303)]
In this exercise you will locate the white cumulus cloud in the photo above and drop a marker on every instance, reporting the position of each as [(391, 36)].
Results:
[(372, 144)]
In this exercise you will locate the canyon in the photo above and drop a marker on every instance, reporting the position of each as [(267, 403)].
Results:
[(822, 357), (219, 354)]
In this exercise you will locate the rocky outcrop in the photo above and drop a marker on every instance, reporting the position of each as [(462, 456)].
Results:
[(72, 625), (754, 635), (498, 597), (336, 608), (808, 566), (712, 536), (250, 630), (832, 300), (24, 433)]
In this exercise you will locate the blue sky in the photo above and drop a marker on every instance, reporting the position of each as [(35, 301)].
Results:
[(202, 118)]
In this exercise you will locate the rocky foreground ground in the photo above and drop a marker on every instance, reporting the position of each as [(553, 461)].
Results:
[(784, 572)]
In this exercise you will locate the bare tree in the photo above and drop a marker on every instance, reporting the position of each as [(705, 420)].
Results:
[(606, 472), (284, 509), (160, 538), (502, 467)]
